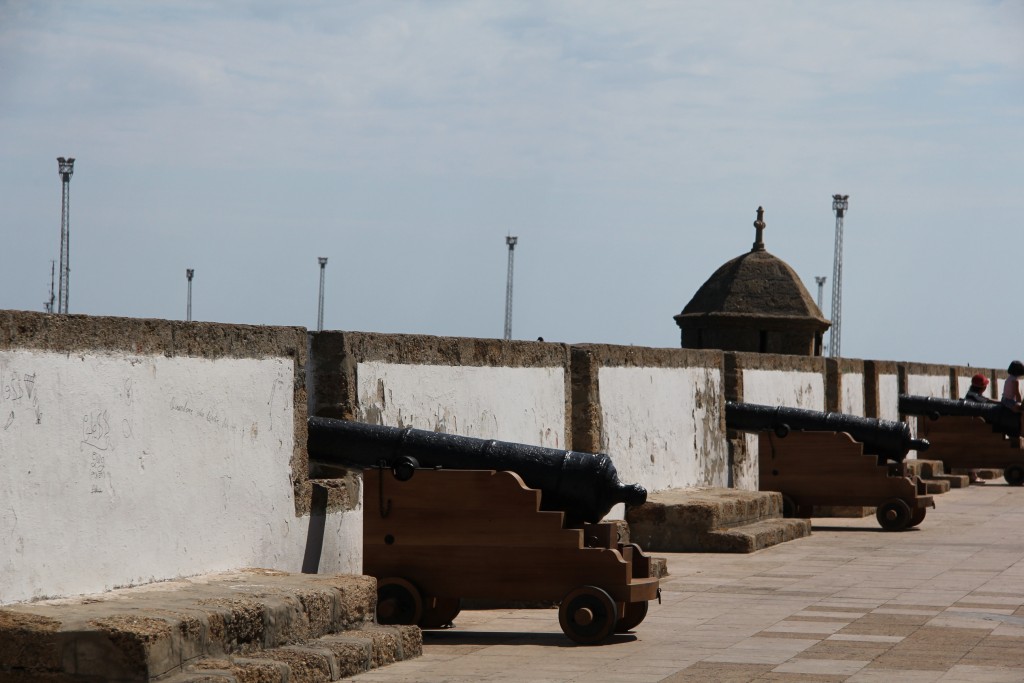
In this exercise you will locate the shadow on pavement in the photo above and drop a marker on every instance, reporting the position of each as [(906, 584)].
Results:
[(456, 637)]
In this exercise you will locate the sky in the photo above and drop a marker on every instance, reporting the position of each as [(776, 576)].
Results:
[(626, 144)]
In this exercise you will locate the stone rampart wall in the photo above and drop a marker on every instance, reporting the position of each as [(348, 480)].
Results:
[(133, 451), (139, 450)]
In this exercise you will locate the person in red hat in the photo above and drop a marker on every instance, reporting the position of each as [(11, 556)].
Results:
[(976, 394)]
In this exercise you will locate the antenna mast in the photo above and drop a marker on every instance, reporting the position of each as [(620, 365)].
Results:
[(511, 242), (65, 167), (840, 202)]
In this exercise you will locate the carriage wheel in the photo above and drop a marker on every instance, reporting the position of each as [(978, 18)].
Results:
[(1014, 475), (917, 516), (398, 602), (439, 612), (631, 618), (788, 507), (587, 615), (894, 515)]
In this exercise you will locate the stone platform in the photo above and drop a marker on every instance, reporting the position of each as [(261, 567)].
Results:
[(252, 625), (714, 520), (935, 478)]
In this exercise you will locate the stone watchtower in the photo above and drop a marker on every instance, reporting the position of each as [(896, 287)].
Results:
[(755, 302)]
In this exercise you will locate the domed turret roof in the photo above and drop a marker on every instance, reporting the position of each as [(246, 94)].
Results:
[(756, 284)]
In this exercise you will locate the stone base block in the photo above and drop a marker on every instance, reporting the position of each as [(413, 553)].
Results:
[(204, 627), (712, 520)]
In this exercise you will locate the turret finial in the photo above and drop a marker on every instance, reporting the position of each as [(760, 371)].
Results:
[(760, 225)]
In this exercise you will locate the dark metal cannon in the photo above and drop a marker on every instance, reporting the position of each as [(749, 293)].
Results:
[(583, 485), (886, 439), (1001, 418)]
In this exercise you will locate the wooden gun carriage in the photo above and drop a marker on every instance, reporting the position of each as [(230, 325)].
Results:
[(830, 459), (970, 435), (447, 518)]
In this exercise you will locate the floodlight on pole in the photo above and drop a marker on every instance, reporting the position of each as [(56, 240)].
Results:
[(48, 304), (820, 279), (511, 242), (189, 272), (840, 203), (320, 307), (65, 167)]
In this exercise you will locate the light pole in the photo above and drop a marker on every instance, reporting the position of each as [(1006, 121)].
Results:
[(189, 272), (65, 167), (820, 279), (511, 242), (320, 307), (840, 202)]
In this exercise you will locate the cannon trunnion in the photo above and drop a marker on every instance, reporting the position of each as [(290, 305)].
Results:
[(967, 435), (818, 459), (447, 518)]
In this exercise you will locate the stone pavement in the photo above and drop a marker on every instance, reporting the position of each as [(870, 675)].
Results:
[(944, 602)]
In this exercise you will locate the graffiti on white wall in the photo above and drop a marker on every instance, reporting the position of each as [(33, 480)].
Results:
[(662, 426), (136, 468), (853, 394), (522, 405)]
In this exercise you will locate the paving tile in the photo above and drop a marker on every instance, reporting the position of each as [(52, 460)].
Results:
[(822, 666), (823, 614), (871, 675), (981, 674), (791, 626), (712, 672), (865, 638)]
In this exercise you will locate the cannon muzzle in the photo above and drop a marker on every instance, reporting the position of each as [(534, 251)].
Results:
[(886, 439), (583, 485)]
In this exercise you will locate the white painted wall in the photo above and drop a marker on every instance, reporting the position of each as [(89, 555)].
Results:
[(118, 470), (935, 386), (777, 388), (655, 426), (852, 399), (522, 405), (888, 397)]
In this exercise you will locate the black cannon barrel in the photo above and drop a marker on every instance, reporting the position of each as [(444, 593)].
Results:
[(886, 439), (583, 485), (1001, 418)]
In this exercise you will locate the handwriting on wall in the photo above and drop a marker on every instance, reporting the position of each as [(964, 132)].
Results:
[(18, 395)]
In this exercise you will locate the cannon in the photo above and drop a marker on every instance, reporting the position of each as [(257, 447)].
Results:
[(448, 518), (1001, 418), (969, 436), (885, 439), (583, 485), (821, 460)]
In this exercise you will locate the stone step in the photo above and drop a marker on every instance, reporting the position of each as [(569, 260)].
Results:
[(712, 520), (956, 481), (933, 475), (757, 535), (329, 658), (926, 469), (160, 630), (979, 476)]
